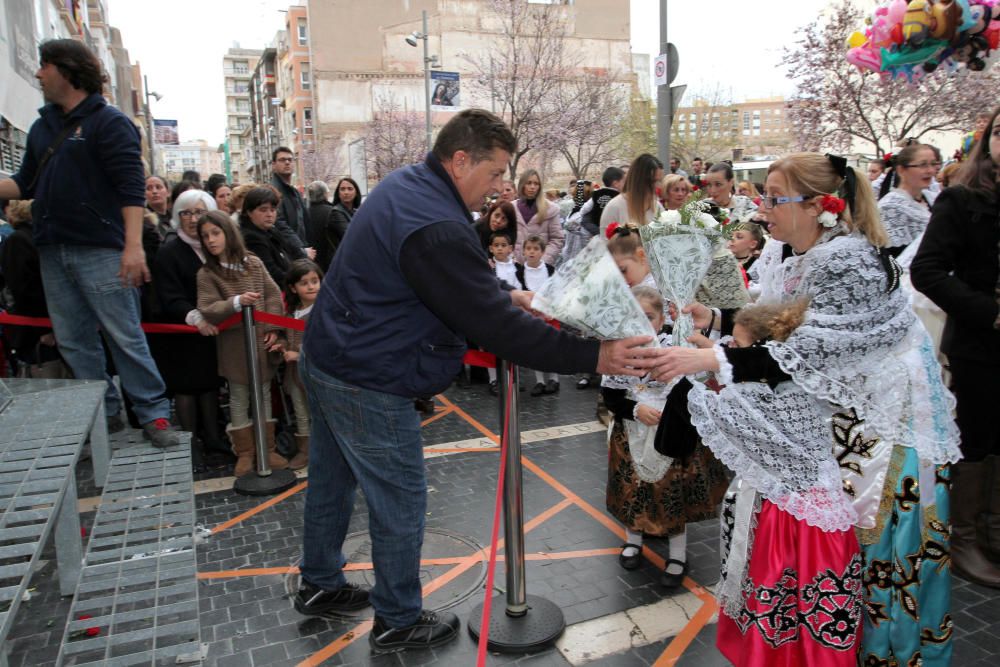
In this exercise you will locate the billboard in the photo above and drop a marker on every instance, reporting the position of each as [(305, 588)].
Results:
[(165, 132), (445, 91)]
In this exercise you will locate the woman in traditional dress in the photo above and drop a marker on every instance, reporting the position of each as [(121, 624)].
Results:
[(721, 190), (790, 570), (906, 209)]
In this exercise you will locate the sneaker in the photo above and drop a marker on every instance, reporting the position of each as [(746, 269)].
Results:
[(314, 601), (431, 629), (552, 387), (160, 433), (538, 389), (114, 423)]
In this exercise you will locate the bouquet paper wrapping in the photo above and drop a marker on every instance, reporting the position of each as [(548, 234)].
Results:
[(679, 255), (589, 293)]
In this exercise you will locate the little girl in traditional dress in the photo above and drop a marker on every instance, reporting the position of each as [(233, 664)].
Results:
[(652, 494)]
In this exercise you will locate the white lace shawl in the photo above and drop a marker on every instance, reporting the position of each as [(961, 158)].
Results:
[(741, 209), (780, 442), (860, 346), (903, 217)]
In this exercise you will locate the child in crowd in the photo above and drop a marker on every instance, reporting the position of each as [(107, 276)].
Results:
[(759, 323), (230, 279), (302, 283), (628, 253), (649, 493), (532, 276), (746, 240), (501, 249)]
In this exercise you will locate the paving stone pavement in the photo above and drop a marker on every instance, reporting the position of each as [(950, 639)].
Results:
[(249, 620)]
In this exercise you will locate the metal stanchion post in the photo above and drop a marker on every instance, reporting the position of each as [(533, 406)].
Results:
[(263, 481), (519, 622)]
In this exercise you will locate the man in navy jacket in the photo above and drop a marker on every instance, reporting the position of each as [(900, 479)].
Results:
[(87, 214), (407, 286)]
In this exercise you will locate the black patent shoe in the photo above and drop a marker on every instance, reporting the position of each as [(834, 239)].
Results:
[(431, 629), (538, 389), (630, 562), (494, 388), (674, 580), (551, 387), (314, 601)]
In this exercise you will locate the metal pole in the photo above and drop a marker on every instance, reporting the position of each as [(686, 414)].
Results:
[(427, 81), (149, 128), (664, 103), (513, 494), (257, 404)]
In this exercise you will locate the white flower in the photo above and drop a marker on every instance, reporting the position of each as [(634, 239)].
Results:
[(706, 221), (669, 217), (828, 219)]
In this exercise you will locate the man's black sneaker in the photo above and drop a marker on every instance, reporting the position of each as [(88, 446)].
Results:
[(314, 601), (431, 629)]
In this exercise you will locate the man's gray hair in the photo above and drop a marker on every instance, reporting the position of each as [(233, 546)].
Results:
[(318, 191)]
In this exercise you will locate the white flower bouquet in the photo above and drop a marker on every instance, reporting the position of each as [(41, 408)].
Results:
[(679, 246), (589, 293)]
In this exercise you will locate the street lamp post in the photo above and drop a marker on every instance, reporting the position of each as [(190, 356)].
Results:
[(429, 61), (149, 123)]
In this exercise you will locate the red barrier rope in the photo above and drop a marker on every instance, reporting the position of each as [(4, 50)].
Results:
[(484, 624), (472, 357)]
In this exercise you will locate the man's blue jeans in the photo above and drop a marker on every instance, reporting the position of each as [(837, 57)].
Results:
[(367, 438), (84, 295)]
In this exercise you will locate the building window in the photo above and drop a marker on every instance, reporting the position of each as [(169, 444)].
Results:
[(302, 32), (242, 106), (241, 67), (307, 120), (304, 76)]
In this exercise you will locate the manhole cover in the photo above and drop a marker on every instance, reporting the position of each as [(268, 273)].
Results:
[(442, 552)]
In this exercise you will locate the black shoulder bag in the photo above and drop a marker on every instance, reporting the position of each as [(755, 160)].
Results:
[(51, 150)]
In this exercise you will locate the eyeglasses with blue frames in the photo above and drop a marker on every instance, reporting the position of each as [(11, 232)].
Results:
[(771, 202)]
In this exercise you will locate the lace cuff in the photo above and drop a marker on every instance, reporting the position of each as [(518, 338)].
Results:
[(193, 318), (725, 373)]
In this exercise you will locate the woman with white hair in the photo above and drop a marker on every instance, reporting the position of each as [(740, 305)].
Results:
[(187, 363)]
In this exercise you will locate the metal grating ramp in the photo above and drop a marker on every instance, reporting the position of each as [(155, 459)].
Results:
[(40, 441), (138, 585)]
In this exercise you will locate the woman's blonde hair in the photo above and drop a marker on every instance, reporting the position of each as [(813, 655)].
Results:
[(540, 200), (749, 187), (814, 175), (669, 181), (772, 321)]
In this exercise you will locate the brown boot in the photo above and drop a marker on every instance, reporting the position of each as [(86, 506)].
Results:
[(968, 501), (991, 521), (301, 458), (243, 447), (275, 461)]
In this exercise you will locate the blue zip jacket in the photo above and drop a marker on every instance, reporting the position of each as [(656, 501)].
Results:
[(93, 174)]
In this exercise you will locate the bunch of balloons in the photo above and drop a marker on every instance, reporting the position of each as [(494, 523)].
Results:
[(906, 39)]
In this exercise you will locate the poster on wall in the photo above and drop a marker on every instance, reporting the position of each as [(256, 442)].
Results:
[(165, 132), (21, 35), (445, 89)]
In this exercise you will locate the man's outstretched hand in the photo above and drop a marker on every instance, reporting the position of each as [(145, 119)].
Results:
[(626, 356)]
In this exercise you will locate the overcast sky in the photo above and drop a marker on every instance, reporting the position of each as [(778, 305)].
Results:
[(735, 45)]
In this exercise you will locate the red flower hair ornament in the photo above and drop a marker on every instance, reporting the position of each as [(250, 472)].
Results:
[(609, 231)]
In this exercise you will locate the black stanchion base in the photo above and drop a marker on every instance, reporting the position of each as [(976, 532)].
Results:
[(252, 484), (540, 627)]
